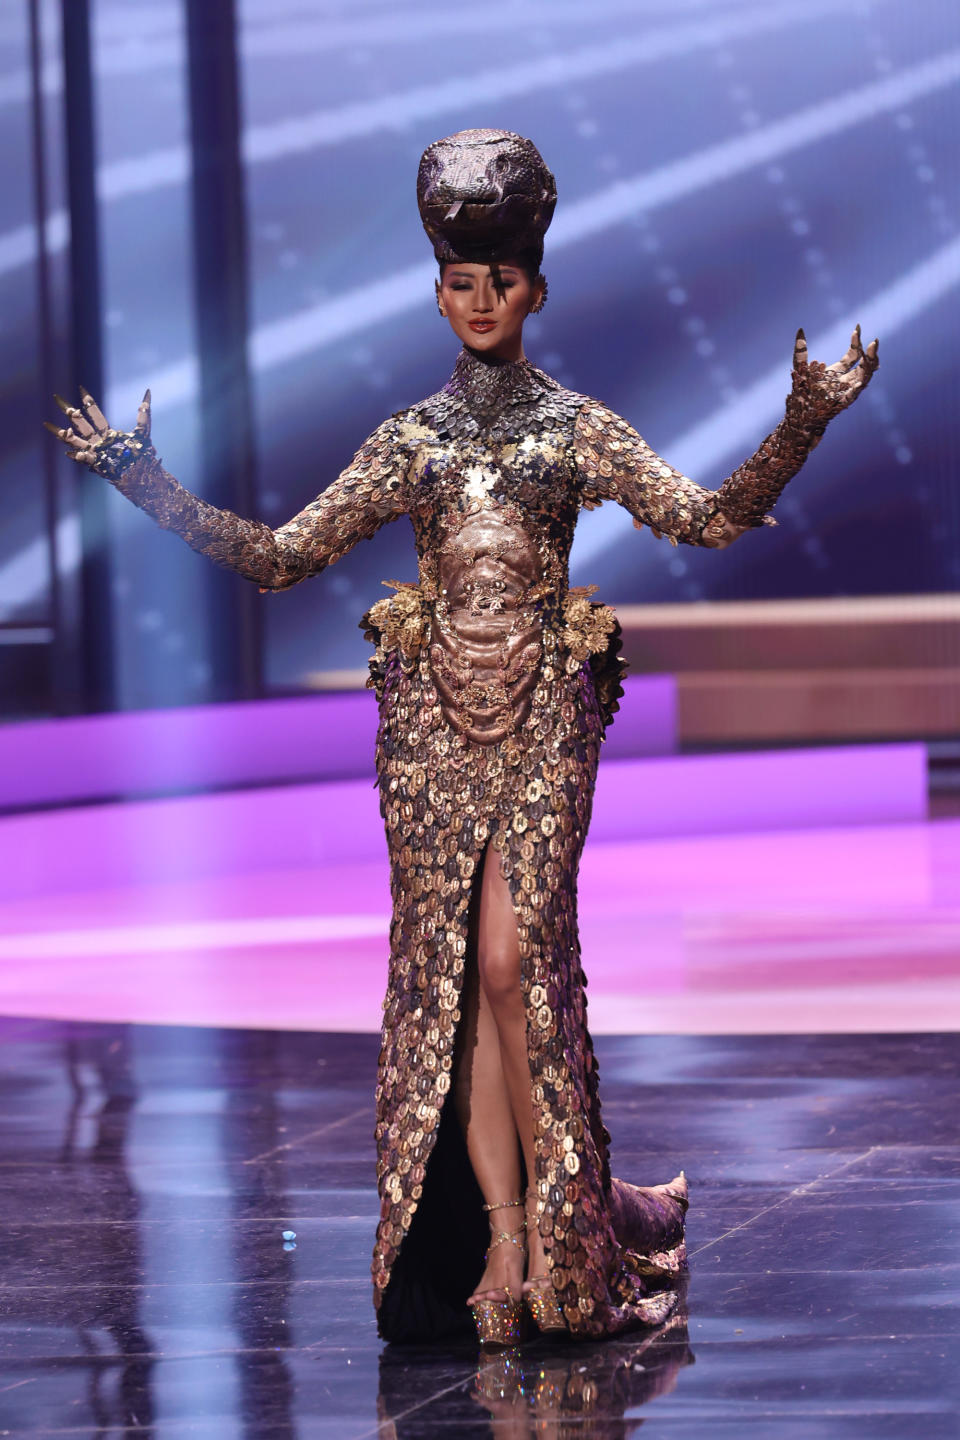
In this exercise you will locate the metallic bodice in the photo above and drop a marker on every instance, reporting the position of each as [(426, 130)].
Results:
[(494, 512)]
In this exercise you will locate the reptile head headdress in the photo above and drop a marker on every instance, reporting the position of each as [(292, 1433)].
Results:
[(485, 196)]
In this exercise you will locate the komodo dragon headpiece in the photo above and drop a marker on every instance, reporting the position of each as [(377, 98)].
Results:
[(485, 196)]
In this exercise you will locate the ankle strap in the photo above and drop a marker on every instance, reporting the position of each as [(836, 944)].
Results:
[(508, 1237), (503, 1205)]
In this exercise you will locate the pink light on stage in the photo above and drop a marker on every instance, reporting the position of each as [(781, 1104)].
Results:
[(839, 929), (790, 890)]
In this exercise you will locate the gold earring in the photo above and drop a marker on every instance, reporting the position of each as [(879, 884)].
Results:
[(535, 309), (436, 286)]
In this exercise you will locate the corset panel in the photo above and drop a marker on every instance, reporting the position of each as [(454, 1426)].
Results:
[(488, 566), (486, 646)]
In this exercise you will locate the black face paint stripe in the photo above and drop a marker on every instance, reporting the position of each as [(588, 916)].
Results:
[(497, 279)]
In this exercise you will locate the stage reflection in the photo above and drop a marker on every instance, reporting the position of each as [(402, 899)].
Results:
[(72, 1163), (540, 1391), (187, 1220)]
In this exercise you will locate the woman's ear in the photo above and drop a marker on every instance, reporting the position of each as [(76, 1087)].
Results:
[(436, 286), (540, 295)]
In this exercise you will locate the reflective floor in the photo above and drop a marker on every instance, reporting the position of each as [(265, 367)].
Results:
[(188, 1215)]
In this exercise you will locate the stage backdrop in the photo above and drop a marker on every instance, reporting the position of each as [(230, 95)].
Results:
[(727, 172)]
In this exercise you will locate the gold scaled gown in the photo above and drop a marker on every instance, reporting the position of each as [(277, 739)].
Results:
[(495, 683)]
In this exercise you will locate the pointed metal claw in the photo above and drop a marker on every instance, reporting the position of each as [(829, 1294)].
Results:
[(94, 413), (142, 426), (850, 356)]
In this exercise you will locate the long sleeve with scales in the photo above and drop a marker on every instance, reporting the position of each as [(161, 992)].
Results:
[(367, 494), (617, 464)]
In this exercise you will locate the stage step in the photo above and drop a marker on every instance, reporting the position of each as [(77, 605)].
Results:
[(144, 753), (235, 831)]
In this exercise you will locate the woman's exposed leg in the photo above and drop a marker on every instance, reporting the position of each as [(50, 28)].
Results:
[(498, 953), (486, 1118)]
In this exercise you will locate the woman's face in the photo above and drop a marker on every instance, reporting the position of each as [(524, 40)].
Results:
[(489, 323)]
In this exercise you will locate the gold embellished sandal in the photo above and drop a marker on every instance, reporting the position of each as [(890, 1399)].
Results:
[(539, 1296), (541, 1300), (498, 1322)]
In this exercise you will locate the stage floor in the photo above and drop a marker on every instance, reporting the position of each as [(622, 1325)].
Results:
[(841, 929), (149, 1175)]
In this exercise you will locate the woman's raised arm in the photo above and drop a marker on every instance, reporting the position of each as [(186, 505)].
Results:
[(364, 496), (616, 464)]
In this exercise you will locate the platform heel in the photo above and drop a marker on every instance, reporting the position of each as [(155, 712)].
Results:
[(539, 1296), (500, 1322), (543, 1305)]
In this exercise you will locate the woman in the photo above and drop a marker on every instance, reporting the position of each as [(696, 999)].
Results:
[(495, 684)]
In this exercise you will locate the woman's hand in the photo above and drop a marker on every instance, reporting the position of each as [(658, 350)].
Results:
[(91, 441), (821, 391)]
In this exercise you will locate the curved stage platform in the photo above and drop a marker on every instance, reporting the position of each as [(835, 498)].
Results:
[(226, 866)]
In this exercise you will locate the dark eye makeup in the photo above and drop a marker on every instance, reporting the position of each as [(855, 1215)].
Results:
[(468, 284)]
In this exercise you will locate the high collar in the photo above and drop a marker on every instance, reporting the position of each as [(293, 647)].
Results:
[(487, 386), (498, 402)]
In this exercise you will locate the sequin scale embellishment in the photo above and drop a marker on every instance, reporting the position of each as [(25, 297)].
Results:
[(495, 683)]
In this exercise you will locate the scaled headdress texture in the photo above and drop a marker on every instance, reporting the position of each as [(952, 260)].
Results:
[(485, 196), (495, 684)]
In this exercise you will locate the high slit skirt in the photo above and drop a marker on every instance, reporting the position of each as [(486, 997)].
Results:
[(614, 1251)]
